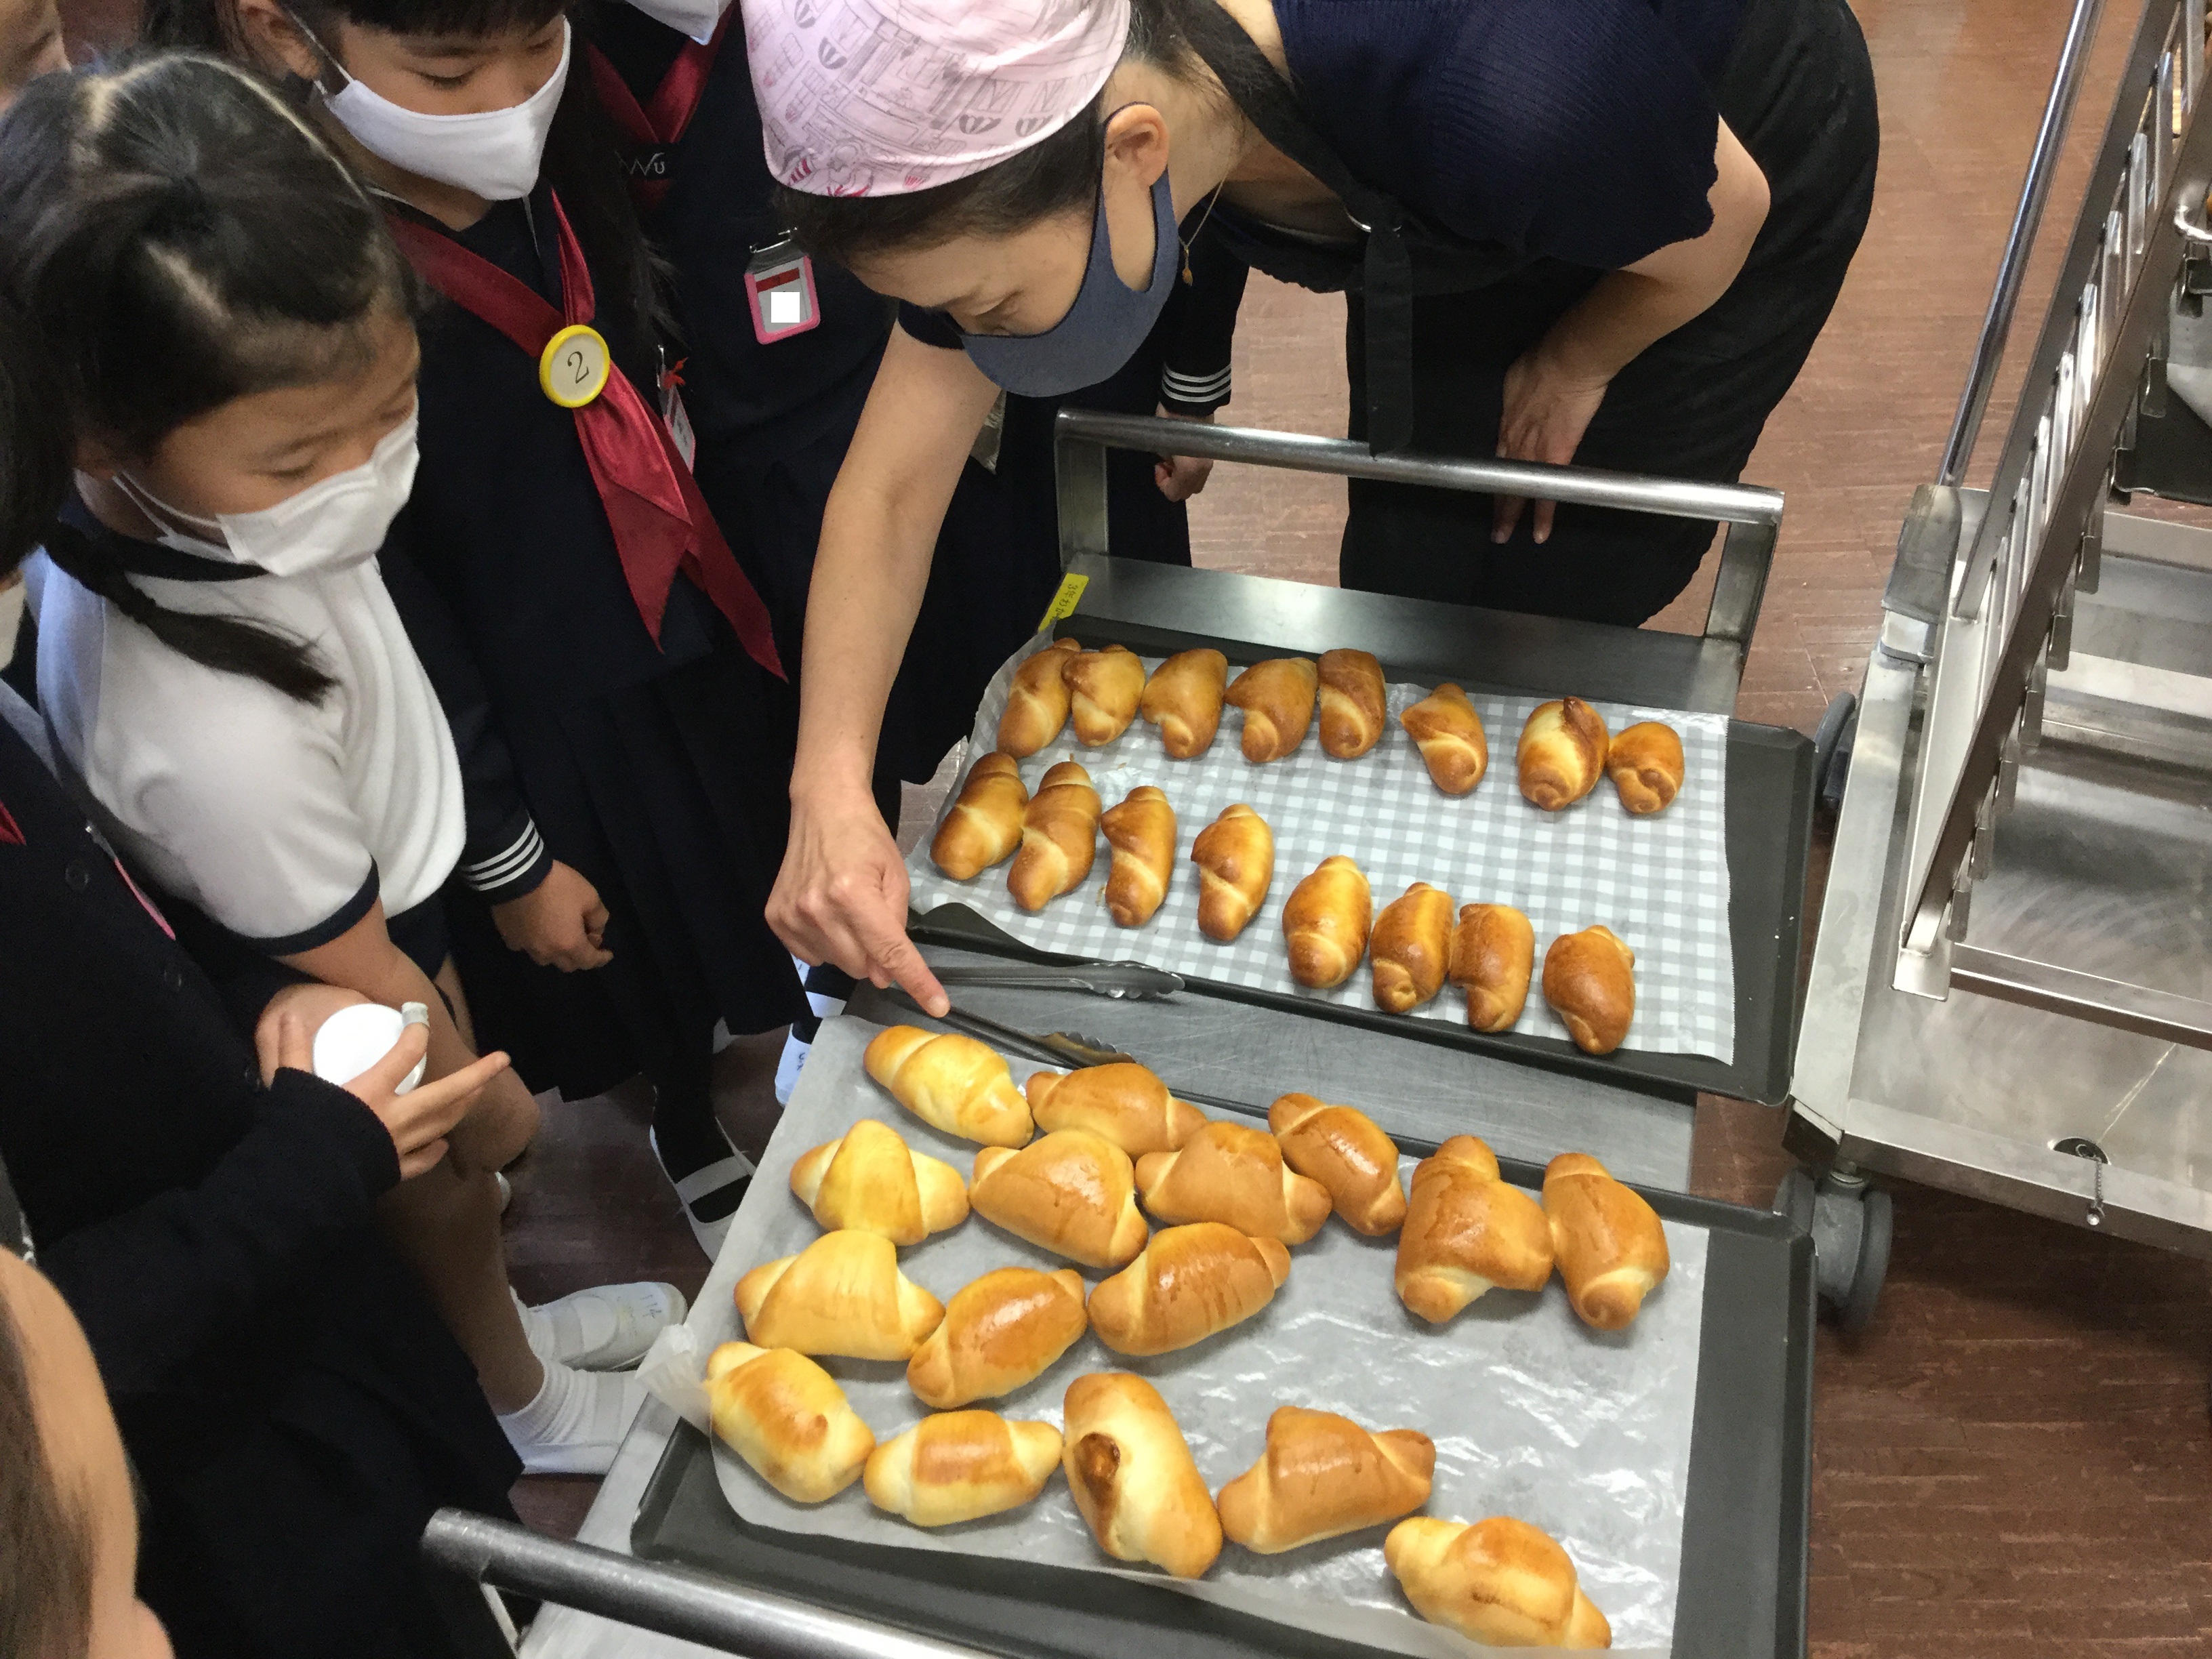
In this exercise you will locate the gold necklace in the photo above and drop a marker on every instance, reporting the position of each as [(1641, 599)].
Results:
[(1194, 235)]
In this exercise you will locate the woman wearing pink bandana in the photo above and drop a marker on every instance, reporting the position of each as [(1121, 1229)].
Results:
[(1599, 231)]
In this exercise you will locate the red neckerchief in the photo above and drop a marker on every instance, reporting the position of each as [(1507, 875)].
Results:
[(11, 834), (657, 124), (660, 522)]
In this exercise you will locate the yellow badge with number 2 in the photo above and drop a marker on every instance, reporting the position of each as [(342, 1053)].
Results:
[(573, 369)]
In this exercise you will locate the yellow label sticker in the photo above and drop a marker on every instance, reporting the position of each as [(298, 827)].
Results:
[(573, 368), (1064, 602)]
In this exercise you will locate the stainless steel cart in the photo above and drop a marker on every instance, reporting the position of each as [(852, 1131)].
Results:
[(2011, 992)]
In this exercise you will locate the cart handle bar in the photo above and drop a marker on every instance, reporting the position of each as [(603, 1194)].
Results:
[(1584, 486), (672, 1601)]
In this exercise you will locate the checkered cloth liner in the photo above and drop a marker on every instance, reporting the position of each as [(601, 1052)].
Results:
[(1660, 883)]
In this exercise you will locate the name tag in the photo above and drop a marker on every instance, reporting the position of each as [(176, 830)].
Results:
[(780, 286)]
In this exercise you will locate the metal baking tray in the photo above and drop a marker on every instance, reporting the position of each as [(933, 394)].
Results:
[(1745, 1542), (1769, 834)]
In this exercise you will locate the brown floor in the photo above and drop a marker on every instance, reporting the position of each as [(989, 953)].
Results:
[(2015, 1460)]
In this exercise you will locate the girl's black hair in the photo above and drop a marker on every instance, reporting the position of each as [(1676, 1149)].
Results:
[(34, 446), (1058, 174), (580, 150), (176, 237)]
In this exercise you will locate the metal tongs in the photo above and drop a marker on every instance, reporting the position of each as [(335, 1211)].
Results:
[(1118, 980)]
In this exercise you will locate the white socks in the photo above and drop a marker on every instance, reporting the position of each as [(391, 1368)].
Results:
[(575, 1423)]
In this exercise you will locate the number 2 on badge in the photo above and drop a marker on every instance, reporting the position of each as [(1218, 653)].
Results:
[(573, 369)]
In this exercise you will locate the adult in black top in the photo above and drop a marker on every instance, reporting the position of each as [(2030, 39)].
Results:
[(294, 1409)]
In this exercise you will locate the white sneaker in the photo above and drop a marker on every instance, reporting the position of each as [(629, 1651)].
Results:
[(575, 1423), (605, 1328)]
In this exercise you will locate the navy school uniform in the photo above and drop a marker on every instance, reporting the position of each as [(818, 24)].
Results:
[(294, 1409), (658, 772)]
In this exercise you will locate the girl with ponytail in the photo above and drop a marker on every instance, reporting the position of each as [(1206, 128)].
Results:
[(219, 663)]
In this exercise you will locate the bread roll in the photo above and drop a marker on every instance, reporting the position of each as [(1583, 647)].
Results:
[(1141, 830), (961, 1466), (1448, 733), (1562, 756), (1183, 699), (1189, 1284), (1348, 1152), (1322, 1476), (1103, 689), (1353, 702), (1060, 838), (985, 824), (1233, 1175), (1123, 1102), (870, 1181), (1611, 1249), (1498, 1581), (951, 1082), (1411, 948), (843, 1294), (1645, 765), (787, 1418), (1068, 1192), (1131, 1474), (1493, 950), (1277, 697), (1037, 702), (1001, 1332), (1466, 1231), (1235, 860), (1589, 980), (1325, 923)]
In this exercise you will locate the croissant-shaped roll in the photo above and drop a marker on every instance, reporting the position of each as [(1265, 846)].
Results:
[(871, 1181), (961, 1466), (1277, 697), (1325, 923), (1500, 1581), (1189, 1284), (1068, 1192), (787, 1418), (1562, 756), (1123, 1102), (1233, 1175), (1466, 1231), (1322, 1476), (1412, 947), (1353, 702), (1348, 1152), (1449, 734), (1589, 980), (1141, 830), (951, 1082), (1037, 702), (1645, 765), (1103, 689), (1183, 699), (1131, 1473), (1235, 860), (1060, 838), (1493, 950), (1611, 1249), (843, 1294), (985, 824), (1000, 1332)]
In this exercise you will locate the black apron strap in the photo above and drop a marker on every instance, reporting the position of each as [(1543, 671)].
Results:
[(1387, 281)]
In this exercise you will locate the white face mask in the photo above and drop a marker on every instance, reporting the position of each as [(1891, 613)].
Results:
[(494, 153), (11, 619), (696, 18), (326, 526)]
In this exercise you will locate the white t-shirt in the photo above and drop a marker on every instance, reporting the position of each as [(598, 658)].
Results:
[(282, 820)]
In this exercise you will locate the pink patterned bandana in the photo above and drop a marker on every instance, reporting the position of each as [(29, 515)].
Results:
[(882, 97)]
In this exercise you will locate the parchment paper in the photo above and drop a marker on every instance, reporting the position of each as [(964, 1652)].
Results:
[(1661, 883), (1582, 1433)]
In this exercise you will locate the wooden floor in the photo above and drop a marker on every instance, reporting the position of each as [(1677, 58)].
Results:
[(2015, 1460)]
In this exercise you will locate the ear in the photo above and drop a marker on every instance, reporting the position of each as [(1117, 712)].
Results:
[(1137, 140), (277, 44)]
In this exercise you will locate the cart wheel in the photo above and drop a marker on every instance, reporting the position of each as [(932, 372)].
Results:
[(1849, 1222), (1794, 1199), (1831, 749), (1856, 1312)]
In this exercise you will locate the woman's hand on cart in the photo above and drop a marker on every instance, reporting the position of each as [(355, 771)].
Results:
[(841, 897), (1182, 476)]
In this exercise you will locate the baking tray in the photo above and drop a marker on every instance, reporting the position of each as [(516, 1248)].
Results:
[(1744, 1530), (1770, 835)]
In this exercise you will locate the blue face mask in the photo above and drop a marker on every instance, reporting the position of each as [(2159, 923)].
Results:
[(1102, 330)]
